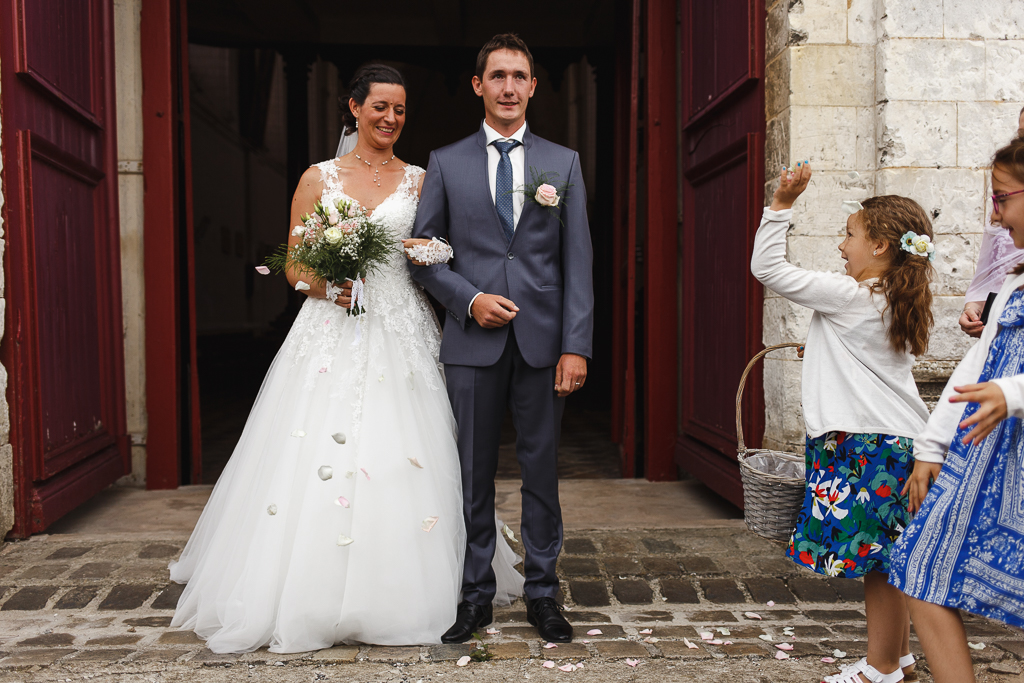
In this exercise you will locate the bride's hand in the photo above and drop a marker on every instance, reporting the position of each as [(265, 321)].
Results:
[(414, 242), (345, 298)]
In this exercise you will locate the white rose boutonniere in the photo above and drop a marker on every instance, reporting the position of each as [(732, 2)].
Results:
[(547, 195)]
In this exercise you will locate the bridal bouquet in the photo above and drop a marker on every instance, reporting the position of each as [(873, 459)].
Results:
[(339, 242)]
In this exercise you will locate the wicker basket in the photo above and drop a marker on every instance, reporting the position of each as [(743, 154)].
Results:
[(770, 501)]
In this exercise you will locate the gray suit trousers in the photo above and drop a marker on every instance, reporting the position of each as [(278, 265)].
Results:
[(479, 396)]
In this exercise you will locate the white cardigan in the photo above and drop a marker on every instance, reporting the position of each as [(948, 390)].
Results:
[(853, 381), (937, 436)]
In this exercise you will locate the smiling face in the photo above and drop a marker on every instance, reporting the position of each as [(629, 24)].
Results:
[(382, 116), (506, 88), (1009, 212), (865, 257)]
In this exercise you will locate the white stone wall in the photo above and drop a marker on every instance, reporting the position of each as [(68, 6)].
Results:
[(6, 451), (914, 97), (131, 187)]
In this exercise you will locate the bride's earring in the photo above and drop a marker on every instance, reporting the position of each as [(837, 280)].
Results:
[(357, 124), (874, 253)]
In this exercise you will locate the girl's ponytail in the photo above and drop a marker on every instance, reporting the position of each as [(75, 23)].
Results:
[(906, 283)]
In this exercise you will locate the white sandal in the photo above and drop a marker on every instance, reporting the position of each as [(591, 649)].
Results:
[(852, 673)]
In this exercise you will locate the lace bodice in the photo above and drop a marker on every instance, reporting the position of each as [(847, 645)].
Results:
[(395, 306)]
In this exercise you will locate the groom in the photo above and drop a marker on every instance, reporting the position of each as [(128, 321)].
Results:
[(519, 293)]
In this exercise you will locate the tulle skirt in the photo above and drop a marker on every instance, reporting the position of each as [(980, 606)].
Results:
[(338, 518)]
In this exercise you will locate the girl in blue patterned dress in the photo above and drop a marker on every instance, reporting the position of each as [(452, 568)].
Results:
[(964, 548), (861, 406)]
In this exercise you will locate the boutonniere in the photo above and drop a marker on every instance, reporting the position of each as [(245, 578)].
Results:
[(545, 191)]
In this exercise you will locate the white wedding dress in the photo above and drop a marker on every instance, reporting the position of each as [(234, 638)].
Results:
[(270, 562)]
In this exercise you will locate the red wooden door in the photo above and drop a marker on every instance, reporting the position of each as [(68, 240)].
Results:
[(723, 186), (62, 345)]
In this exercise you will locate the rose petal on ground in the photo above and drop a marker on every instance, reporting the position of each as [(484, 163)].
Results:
[(548, 664), (567, 668), (716, 641), (752, 615), (342, 501), (493, 631), (728, 642), (463, 661), (263, 270), (771, 603), (271, 509), (298, 433), (828, 660), (724, 631), (838, 654), (325, 472), (704, 635), (781, 655), (344, 540), (363, 470), (595, 632), (339, 438), (585, 642), (632, 662), (646, 632), (686, 641), (429, 523), (301, 286), (508, 532), (650, 640), (784, 646), (415, 463), (853, 174), (765, 637), (549, 646), (976, 646)]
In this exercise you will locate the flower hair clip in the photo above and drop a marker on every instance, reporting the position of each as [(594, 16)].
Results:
[(918, 245)]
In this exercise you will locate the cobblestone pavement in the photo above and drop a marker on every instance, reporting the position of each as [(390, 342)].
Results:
[(76, 607)]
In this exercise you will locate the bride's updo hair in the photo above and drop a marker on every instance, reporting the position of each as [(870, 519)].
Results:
[(359, 88)]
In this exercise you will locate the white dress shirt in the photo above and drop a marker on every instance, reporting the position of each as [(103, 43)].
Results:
[(518, 158)]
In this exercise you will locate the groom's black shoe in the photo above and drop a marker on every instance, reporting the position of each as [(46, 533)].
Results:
[(469, 618), (546, 615)]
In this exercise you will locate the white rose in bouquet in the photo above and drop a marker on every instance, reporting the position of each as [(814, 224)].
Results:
[(333, 236)]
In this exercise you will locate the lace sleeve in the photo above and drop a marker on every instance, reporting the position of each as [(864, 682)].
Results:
[(433, 252)]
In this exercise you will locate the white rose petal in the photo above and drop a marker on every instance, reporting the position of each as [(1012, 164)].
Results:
[(415, 463), (301, 286), (976, 646), (325, 472), (690, 645), (508, 532), (298, 433), (852, 206), (339, 438), (463, 660), (263, 270), (298, 230), (344, 540), (838, 654), (271, 509), (333, 236), (548, 664), (429, 523)]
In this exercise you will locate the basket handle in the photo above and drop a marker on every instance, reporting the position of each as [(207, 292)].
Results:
[(743, 382)]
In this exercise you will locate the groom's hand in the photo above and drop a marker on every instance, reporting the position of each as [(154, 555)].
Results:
[(571, 374), (491, 311)]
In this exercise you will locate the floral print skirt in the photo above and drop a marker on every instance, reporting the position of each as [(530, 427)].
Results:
[(853, 510)]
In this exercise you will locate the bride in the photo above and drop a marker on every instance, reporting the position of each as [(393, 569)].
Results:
[(339, 516)]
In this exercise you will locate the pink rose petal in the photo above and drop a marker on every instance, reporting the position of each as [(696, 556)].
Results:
[(632, 662), (342, 501), (585, 642), (706, 635), (646, 632), (363, 470), (263, 270), (728, 642), (594, 632), (323, 370), (716, 641), (752, 615), (567, 668), (493, 631), (784, 646), (771, 603), (781, 655), (690, 645), (548, 664), (828, 660), (549, 646)]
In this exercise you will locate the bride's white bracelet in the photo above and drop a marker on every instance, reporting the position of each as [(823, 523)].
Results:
[(433, 252), (332, 293)]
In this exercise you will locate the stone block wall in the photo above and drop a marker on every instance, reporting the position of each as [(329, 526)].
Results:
[(914, 98)]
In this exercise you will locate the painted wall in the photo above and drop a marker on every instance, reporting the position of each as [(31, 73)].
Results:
[(914, 97), (128, 77), (6, 452)]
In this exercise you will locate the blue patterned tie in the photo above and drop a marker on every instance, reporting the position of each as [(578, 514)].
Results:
[(503, 187)]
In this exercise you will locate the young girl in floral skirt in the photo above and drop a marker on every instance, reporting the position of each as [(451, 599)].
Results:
[(861, 406), (965, 546)]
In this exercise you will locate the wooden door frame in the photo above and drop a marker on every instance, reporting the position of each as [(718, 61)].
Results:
[(172, 383), (37, 505)]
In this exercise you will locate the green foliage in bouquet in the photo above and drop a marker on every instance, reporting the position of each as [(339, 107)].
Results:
[(339, 242)]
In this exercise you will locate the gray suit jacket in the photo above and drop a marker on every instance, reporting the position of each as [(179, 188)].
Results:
[(546, 270)]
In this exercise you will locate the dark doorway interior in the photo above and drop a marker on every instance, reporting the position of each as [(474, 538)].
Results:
[(264, 91)]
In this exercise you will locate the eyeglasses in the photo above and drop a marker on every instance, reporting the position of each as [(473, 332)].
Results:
[(998, 199)]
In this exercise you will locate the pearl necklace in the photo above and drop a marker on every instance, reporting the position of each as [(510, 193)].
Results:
[(376, 170)]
